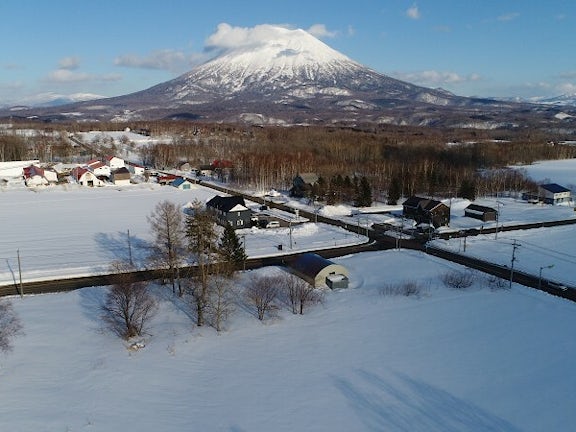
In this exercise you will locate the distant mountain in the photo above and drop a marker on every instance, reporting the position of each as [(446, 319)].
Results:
[(293, 78), (51, 99)]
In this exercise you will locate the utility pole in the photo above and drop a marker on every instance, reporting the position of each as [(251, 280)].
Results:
[(130, 250), (514, 247), (20, 274)]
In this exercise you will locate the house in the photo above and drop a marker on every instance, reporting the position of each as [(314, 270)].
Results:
[(485, 214), (99, 168), (302, 184), (230, 210), (121, 176), (184, 166), (85, 177), (135, 169), (115, 162), (36, 176), (182, 183), (553, 193), (166, 179), (426, 210), (320, 272)]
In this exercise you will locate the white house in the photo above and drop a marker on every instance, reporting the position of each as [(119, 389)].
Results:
[(37, 176), (85, 177), (135, 169), (99, 168), (553, 193), (115, 162)]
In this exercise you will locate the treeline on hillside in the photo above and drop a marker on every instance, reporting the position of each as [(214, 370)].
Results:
[(394, 159)]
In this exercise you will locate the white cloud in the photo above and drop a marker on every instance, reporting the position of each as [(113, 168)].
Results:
[(413, 12), (431, 78), (170, 60), (320, 31), (227, 37), (69, 63), (508, 17), (68, 76)]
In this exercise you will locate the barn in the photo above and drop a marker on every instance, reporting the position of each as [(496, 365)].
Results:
[(320, 272), (483, 213)]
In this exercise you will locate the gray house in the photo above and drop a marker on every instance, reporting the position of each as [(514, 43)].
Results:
[(230, 210), (320, 272)]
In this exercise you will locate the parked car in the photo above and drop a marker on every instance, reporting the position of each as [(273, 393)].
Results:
[(273, 224)]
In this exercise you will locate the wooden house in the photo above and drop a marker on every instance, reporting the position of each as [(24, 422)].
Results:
[(426, 210), (483, 213)]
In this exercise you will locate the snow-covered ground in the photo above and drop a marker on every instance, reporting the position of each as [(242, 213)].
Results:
[(66, 231), (474, 360), (480, 359)]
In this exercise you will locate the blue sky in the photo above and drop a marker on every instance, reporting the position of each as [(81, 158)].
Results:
[(113, 47)]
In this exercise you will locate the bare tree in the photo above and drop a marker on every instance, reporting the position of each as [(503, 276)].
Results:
[(128, 305), (458, 279), (10, 325), (299, 293), (262, 293), (202, 238), (166, 224), (221, 303)]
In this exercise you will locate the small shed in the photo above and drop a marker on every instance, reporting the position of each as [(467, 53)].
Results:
[(182, 183), (485, 214), (320, 272)]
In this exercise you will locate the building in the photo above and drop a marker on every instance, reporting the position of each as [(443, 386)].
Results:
[(483, 213), (182, 183), (230, 210), (85, 177), (114, 162), (553, 193), (121, 176), (302, 184), (426, 210), (320, 272), (37, 176)]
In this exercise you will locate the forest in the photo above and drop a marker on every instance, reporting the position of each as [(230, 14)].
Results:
[(395, 160)]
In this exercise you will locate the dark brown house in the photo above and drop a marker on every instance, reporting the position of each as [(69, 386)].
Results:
[(483, 213), (426, 210)]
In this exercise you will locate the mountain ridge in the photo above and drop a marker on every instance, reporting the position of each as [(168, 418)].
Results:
[(293, 78)]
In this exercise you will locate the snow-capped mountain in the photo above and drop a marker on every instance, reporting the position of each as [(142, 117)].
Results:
[(51, 99), (292, 77)]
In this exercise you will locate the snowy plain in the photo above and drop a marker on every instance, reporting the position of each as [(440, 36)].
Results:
[(480, 359)]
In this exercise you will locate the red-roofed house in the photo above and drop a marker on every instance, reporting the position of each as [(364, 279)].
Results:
[(35, 176), (85, 177), (99, 168)]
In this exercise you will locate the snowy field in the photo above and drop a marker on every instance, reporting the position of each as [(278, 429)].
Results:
[(480, 359), (474, 360), (67, 231)]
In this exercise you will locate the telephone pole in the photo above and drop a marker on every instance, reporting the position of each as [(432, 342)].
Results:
[(514, 247)]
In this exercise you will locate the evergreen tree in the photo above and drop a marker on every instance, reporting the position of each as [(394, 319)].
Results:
[(467, 189), (364, 197), (394, 191), (231, 249)]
